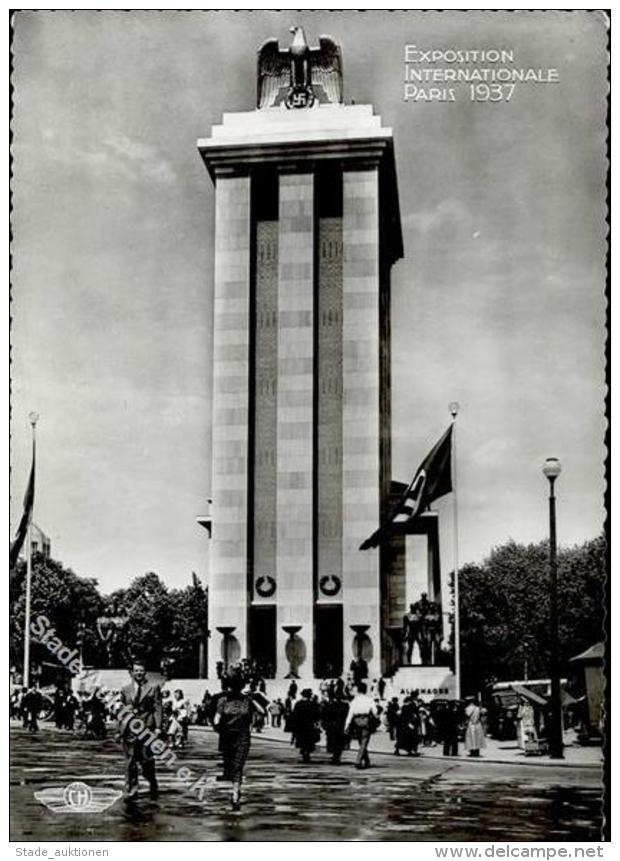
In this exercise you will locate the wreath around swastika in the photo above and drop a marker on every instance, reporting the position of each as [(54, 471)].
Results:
[(265, 586), (330, 585)]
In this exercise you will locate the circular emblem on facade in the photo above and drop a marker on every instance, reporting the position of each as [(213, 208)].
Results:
[(330, 585), (300, 96), (265, 586)]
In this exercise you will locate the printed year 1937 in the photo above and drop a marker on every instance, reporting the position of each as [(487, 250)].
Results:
[(491, 92)]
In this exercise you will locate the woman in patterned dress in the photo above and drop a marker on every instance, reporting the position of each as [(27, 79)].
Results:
[(233, 721)]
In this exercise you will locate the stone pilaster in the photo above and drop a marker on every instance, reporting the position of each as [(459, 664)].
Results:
[(329, 405), (361, 340), (265, 409), (295, 416), (228, 580)]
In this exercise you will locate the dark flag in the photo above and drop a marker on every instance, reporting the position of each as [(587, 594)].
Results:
[(432, 480), (22, 529)]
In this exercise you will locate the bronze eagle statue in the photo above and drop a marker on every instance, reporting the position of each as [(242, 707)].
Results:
[(299, 75)]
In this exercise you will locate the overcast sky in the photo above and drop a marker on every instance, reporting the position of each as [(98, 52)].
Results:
[(498, 304)]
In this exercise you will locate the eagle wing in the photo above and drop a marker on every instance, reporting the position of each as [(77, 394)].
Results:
[(274, 72), (326, 65)]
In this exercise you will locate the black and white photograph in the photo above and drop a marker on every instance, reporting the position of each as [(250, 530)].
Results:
[(309, 449)]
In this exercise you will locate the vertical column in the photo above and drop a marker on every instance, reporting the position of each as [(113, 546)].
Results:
[(265, 429), (295, 421), (329, 404), (361, 475), (228, 592)]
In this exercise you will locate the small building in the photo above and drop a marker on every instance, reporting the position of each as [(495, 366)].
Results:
[(40, 542), (590, 682)]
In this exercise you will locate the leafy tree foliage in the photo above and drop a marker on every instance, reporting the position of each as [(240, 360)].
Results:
[(150, 622), (160, 624), (504, 610), (66, 600), (189, 607), (148, 619)]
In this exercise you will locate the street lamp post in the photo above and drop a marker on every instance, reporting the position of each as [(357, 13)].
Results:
[(551, 470)]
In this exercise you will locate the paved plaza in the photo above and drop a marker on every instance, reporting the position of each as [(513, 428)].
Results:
[(426, 798)]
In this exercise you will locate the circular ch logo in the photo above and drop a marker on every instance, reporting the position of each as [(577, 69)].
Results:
[(330, 585), (77, 795), (266, 586)]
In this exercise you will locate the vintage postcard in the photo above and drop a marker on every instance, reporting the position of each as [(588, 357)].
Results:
[(308, 381)]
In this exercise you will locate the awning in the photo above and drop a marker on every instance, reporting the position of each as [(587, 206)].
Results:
[(536, 699), (595, 653), (505, 699), (568, 699)]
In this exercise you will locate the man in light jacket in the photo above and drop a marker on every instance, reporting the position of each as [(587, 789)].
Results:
[(361, 722)]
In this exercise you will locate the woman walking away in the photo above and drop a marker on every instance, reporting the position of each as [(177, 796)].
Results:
[(304, 724), (474, 731), (233, 720)]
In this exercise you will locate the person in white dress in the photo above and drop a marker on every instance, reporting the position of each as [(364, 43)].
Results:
[(474, 730)]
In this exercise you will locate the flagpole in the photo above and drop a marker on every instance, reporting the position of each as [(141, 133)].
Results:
[(33, 417), (454, 410)]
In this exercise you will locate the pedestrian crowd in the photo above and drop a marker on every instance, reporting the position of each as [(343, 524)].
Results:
[(80, 711), (86, 712), (352, 709), (343, 710)]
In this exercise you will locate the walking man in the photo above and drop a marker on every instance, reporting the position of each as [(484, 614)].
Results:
[(59, 700), (362, 721), (32, 704), (334, 712), (381, 688), (139, 726), (305, 725), (391, 715), (447, 720)]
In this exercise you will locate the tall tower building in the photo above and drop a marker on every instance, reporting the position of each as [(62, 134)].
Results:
[(307, 228)]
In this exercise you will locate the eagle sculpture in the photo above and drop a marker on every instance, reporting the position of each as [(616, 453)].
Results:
[(300, 75)]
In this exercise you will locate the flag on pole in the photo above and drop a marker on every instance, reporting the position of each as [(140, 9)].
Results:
[(433, 479), (22, 529)]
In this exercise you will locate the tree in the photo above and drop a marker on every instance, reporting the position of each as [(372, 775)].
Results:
[(147, 628), (159, 624), (148, 621), (504, 610), (189, 627), (66, 600)]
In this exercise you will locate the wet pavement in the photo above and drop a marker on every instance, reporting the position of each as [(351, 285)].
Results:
[(396, 799)]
